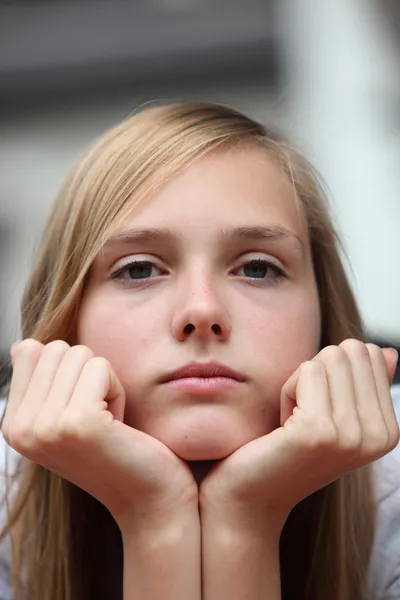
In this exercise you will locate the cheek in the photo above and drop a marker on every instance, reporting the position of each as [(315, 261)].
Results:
[(283, 335), (121, 334)]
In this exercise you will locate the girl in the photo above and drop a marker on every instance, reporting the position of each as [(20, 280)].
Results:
[(194, 399)]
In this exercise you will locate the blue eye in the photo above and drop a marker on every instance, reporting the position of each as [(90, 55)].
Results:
[(260, 269), (137, 270)]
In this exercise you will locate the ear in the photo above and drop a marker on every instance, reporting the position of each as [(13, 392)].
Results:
[(391, 357)]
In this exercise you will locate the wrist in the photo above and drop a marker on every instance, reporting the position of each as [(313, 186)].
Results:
[(156, 513), (165, 526), (162, 557), (241, 518), (239, 560), (240, 529)]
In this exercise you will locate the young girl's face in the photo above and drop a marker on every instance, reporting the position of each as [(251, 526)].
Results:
[(214, 267)]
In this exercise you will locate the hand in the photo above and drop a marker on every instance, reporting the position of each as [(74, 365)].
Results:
[(336, 415), (65, 412)]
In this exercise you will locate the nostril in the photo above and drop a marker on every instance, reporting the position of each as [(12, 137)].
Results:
[(189, 328)]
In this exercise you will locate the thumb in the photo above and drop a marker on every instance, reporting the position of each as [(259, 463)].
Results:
[(391, 357)]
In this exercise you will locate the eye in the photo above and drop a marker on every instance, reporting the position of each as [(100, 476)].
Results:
[(137, 270), (261, 270)]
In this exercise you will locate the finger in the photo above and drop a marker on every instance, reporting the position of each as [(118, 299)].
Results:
[(42, 380), (391, 357), (66, 379), (116, 396), (374, 430), (342, 395), (25, 359), (98, 383), (13, 350), (382, 372), (308, 390)]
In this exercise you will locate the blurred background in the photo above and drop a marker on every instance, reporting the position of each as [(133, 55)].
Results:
[(326, 73)]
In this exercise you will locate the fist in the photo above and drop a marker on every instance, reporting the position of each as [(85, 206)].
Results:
[(336, 416), (65, 412)]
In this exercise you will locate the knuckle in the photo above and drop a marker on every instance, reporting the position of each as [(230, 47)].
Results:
[(377, 441), (73, 430), (98, 365), (312, 367), (30, 347), (20, 437), (373, 349), (350, 441), (393, 438), (329, 438), (324, 436), (81, 352), (67, 428), (45, 433), (334, 354), (57, 347), (100, 361), (355, 347)]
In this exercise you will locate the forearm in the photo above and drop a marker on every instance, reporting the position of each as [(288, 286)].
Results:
[(164, 564), (239, 565)]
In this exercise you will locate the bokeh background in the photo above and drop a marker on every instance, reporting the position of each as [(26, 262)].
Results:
[(325, 72)]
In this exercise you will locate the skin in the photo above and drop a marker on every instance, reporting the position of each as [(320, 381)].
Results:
[(299, 419), (267, 326)]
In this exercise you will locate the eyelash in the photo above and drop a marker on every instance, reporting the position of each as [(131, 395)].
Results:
[(116, 275), (279, 273)]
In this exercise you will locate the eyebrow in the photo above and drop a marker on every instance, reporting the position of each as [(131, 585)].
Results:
[(274, 233), (134, 236)]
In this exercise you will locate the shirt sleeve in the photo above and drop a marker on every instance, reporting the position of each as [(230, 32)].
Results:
[(396, 399), (8, 460), (384, 576), (5, 552)]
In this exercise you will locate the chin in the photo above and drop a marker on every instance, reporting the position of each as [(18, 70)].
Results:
[(198, 450), (204, 433)]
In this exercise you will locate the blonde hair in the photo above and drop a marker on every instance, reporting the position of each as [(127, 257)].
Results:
[(65, 543)]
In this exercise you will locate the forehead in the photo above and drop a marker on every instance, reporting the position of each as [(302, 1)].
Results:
[(242, 187)]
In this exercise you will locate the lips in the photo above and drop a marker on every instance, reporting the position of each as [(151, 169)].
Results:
[(203, 370)]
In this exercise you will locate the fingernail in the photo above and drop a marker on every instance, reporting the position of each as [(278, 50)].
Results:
[(394, 353)]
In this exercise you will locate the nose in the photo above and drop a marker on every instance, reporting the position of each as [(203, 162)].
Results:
[(200, 313)]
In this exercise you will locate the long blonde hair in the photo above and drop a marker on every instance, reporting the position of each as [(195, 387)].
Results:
[(65, 544)]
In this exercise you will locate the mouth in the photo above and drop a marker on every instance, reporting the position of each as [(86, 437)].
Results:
[(203, 378)]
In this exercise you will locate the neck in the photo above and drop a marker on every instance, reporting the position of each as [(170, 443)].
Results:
[(200, 468)]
